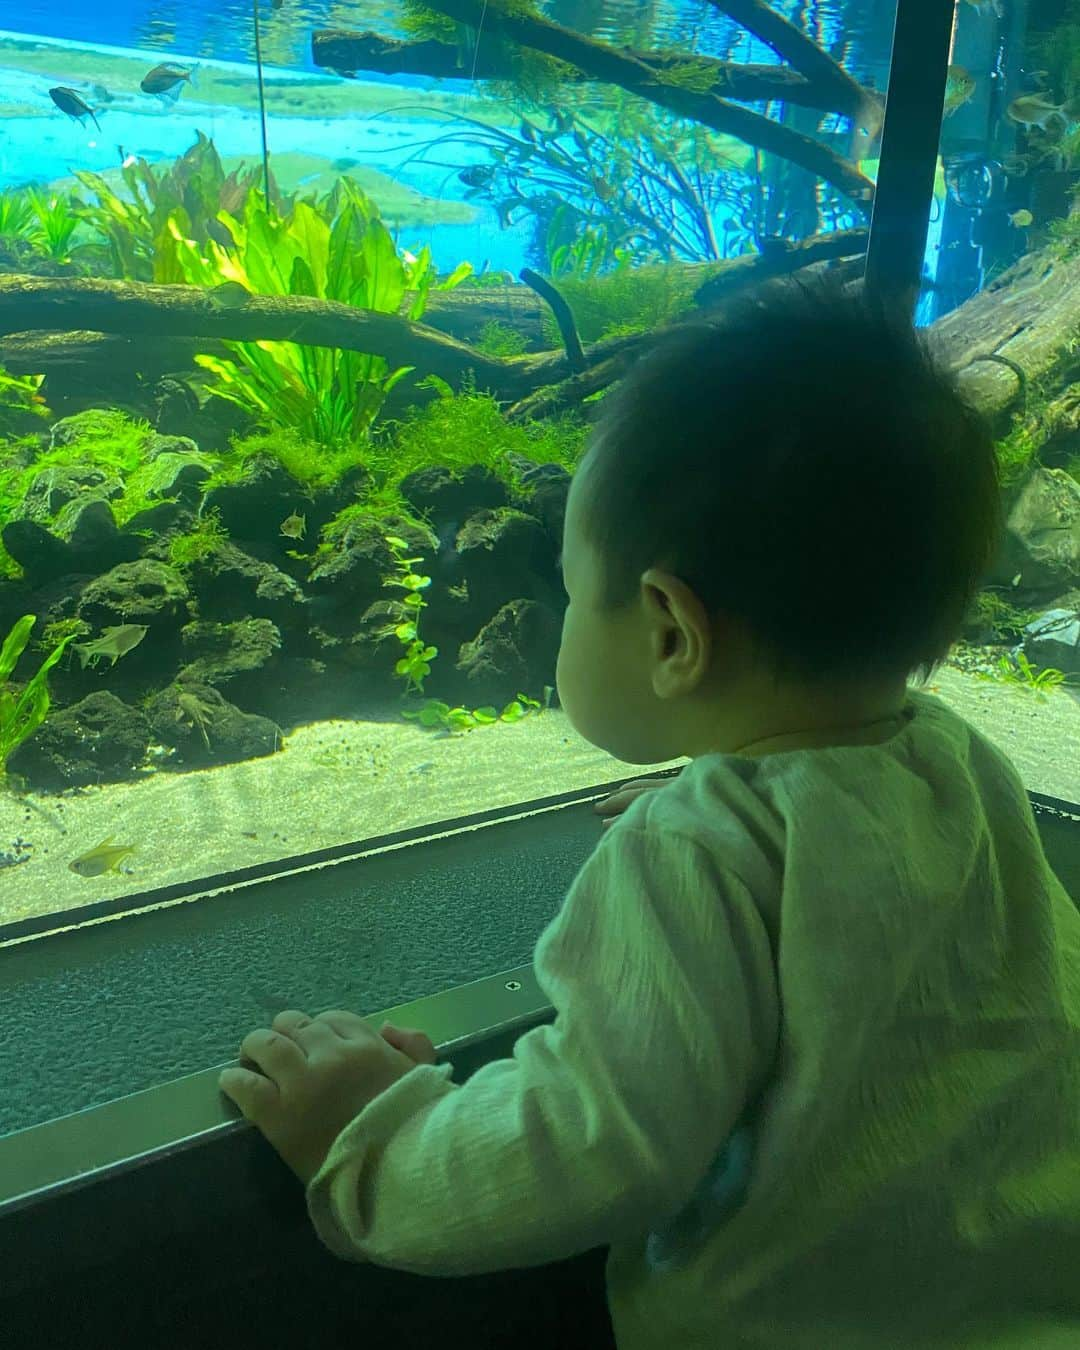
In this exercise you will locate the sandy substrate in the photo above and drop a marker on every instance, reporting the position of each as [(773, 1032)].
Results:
[(338, 782)]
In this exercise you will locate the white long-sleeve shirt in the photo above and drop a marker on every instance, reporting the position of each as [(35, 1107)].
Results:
[(814, 1075)]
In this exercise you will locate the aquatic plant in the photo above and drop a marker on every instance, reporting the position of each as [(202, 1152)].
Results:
[(23, 712), (337, 249), (415, 665), (1017, 669), (20, 396), (192, 190), (500, 339), (314, 465), (456, 431), (57, 220), (207, 536), (621, 178), (625, 300)]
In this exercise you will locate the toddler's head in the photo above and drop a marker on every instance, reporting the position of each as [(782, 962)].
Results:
[(778, 520)]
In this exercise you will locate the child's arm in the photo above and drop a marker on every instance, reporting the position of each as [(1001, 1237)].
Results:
[(661, 974)]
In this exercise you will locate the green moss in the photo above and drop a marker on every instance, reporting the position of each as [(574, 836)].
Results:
[(993, 611), (458, 431), (500, 339), (206, 538), (628, 300), (312, 464)]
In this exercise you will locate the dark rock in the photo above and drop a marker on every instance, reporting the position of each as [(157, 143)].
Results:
[(505, 555), (516, 651), (175, 405), (353, 573), (165, 518), (203, 728), (231, 585), (216, 653), (255, 506), (296, 689), (446, 500), (1041, 540), (53, 488), (39, 553), (1053, 640), (89, 527), (548, 504), (97, 740), (146, 592)]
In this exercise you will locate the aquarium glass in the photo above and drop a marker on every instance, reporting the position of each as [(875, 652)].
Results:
[(1000, 292), (286, 410)]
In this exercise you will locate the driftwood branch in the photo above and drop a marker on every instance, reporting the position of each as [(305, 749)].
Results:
[(601, 61), (73, 325), (348, 53), (1015, 332), (791, 44), (563, 317)]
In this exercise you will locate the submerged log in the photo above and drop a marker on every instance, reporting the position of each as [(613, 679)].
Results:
[(1019, 330), (347, 53), (619, 66)]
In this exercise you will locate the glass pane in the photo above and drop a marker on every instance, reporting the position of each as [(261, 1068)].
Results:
[(299, 595), (1000, 291)]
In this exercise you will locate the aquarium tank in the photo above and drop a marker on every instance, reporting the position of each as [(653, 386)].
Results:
[(305, 309)]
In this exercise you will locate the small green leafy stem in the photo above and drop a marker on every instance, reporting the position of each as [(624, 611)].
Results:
[(1019, 670), (414, 666)]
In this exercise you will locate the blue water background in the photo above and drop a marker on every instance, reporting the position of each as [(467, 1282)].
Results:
[(48, 148)]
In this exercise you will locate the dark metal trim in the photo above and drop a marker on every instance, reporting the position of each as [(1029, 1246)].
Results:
[(909, 148), (46, 1161)]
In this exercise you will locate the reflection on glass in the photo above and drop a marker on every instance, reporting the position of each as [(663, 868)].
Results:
[(280, 545)]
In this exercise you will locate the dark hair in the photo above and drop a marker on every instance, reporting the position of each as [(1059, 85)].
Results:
[(804, 466)]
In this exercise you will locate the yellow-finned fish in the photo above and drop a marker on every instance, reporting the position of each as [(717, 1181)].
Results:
[(294, 526), (106, 857), (959, 87)]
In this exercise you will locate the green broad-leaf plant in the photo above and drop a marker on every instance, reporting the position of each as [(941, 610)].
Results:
[(334, 249)]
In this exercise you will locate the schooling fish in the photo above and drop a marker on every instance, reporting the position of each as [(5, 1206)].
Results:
[(230, 294), (477, 175), (165, 80), (1032, 110), (959, 87), (294, 526), (106, 857), (70, 101), (112, 644)]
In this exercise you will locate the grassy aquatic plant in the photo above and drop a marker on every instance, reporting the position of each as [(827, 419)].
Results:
[(625, 300), (500, 339), (311, 464), (456, 431), (1018, 670), (337, 250), (23, 712)]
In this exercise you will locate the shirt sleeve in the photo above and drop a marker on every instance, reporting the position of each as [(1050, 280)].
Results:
[(659, 968)]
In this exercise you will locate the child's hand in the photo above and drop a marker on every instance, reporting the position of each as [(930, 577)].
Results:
[(419, 1047), (621, 798), (302, 1080)]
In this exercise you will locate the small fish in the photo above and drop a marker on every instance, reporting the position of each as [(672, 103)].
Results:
[(1032, 110), (230, 295), (220, 233), (101, 95), (959, 87), (106, 857), (477, 175), (70, 101), (126, 161), (294, 526), (1021, 219), (113, 644), (166, 80)]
